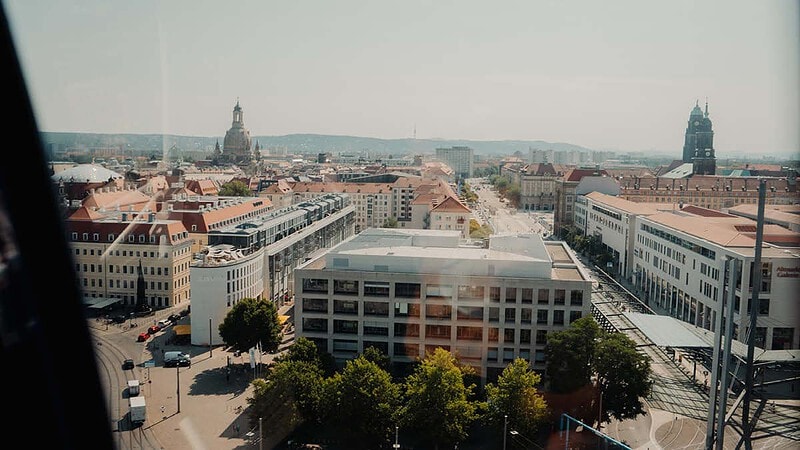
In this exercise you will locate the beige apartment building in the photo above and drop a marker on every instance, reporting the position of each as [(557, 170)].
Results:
[(108, 249)]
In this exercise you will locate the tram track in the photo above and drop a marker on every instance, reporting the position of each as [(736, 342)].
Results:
[(110, 357)]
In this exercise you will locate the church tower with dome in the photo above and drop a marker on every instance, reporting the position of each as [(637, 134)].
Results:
[(237, 143)]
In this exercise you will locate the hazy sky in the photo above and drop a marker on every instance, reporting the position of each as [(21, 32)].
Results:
[(621, 74)]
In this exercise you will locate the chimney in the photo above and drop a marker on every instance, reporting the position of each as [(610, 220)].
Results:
[(151, 217), (124, 217)]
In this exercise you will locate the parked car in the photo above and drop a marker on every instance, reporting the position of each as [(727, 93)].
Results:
[(174, 318), (153, 329), (127, 364), (143, 337), (177, 359)]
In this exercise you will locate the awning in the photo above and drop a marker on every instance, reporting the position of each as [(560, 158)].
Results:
[(100, 303), (283, 318), (182, 330), (665, 331)]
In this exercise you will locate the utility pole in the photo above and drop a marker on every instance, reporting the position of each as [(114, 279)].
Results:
[(747, 423), (260, 435), (210, 348), (178, 375), (726, 354)]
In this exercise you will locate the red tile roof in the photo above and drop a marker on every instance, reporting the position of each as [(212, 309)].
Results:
[(451, 204)]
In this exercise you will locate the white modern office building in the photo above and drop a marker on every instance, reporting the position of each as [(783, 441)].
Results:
[(256, 259), (675, 257), (407, 292), (679, 265)]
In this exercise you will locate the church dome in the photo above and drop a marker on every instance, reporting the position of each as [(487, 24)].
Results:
[(86, 173), (696, 111)]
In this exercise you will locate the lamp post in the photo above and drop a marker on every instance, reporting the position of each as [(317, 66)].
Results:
[(210, 347), (600, 405), (396, 444), (178, 390), (505, 430)]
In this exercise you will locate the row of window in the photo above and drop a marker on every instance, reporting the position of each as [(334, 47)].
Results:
[(412, 350), (129, 253), (133, 270), (463, 332), (414, 290), (689, 245), (132, 238), (440, 312), (125, 284)]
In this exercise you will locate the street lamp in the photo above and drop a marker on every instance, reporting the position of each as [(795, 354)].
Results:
[(599, 386), (396, 445), (505, 430)]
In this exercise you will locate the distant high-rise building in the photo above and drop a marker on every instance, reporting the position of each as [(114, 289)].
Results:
[(460, 159), (698, 147)]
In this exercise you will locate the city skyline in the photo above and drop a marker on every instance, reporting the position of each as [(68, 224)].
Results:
[(620, 77)]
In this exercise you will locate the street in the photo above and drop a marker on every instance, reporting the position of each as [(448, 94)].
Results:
[(504, 219), (197, 407)]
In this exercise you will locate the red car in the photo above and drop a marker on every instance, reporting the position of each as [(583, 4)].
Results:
[(153, 329), (143, 337)]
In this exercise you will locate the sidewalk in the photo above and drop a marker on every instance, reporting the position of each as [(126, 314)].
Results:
[(213, 403)]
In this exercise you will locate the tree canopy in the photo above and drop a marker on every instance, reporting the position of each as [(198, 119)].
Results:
[(516, 396), (249, 322), (390, 222), (623, 376), (235, 188), (365, 401), (437, 406), (303, 349), (583, 350), (570, 353), (291, 394)]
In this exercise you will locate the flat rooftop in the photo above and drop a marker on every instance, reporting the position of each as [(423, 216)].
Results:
[(444, 253)]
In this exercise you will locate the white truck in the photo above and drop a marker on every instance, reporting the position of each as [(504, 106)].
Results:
[(138, 412), (133, 388)]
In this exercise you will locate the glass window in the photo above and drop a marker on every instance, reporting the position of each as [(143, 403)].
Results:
[(347, 287), (544, 297)]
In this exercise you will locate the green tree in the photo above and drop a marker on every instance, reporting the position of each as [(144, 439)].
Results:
[(437, 406), (474, 226), (623, 376), (374, 354), (390, 222), (303, 349), (365, 400), (235, 188), (249, 322), (291, 395), (513, 194), (516, 395), (582, 351), (570, 354)]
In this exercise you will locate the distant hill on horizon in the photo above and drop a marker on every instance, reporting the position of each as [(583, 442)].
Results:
[(299, 143)]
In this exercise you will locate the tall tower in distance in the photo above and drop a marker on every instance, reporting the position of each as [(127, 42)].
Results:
[(698, 146)]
